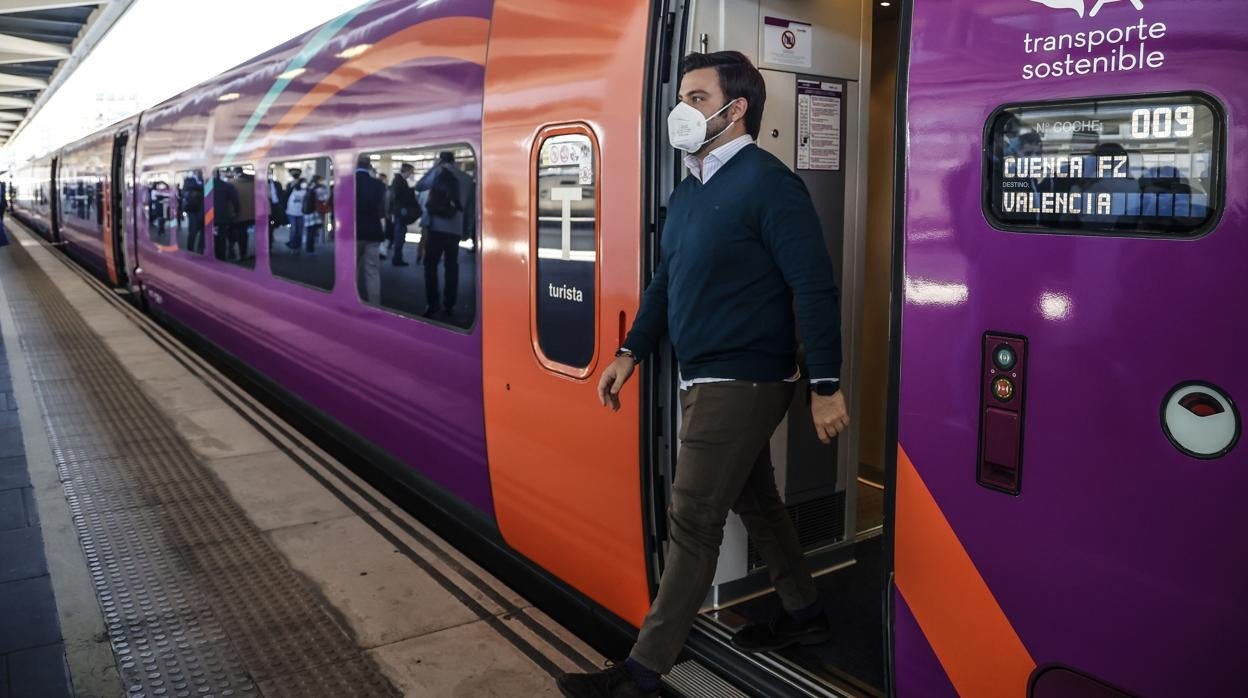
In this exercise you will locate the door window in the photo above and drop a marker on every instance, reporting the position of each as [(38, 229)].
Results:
[(566, 233)]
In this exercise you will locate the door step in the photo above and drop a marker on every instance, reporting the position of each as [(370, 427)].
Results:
[(692, 680)]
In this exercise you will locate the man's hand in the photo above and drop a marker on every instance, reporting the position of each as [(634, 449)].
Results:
[(830, 415), (614, 378)]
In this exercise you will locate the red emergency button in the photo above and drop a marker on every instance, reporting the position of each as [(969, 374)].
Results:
[(1003, 389)]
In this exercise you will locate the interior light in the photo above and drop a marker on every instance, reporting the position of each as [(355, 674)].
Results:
[(228, 97), (292, 74), (886, 4)]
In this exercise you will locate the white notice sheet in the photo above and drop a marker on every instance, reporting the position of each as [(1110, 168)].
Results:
[(818, 125)]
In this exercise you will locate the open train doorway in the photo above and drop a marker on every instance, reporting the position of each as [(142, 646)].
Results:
[(830, 67), (115, 210)]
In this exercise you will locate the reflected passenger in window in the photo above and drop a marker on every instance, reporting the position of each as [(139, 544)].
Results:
[(316, 209), (370, 194), (225, 210), (294, 213), (240, 241), (277, 208), (404, 210), (158, 210), (191, 204), (308, 210), (450, 217)]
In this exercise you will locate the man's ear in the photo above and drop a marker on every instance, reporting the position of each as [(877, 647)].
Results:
[(737, 111)]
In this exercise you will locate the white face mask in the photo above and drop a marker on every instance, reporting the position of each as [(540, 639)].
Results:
[(686, 127)]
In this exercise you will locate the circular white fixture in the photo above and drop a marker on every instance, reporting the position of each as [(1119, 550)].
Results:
[(1200, 420)]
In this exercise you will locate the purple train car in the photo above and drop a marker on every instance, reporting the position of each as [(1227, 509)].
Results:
[(1033, 210)]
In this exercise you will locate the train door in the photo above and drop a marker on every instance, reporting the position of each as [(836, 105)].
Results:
[(1070, 478), (560, 280), (816, 60), (54, 201), (115, 262)]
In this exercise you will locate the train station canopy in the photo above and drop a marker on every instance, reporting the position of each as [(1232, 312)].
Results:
[(40, 43)]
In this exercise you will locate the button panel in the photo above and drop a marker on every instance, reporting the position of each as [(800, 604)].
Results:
[(1002, 382)]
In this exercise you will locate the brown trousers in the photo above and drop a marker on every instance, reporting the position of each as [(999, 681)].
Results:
[(724, 463)]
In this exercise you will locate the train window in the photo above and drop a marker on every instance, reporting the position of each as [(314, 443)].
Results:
[(1134, 166), (302, 226), (82, 198), (233, 207), (566, 233), (160, 207), (426, 264), (188, 198)]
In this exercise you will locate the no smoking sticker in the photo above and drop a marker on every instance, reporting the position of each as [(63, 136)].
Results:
[(786, 42)]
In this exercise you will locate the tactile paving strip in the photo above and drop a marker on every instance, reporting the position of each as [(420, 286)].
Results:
[(195, 600)]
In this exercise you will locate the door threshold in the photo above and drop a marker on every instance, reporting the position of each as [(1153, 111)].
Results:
[(801, 680)]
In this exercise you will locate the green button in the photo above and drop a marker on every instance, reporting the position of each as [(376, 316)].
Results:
[(1004, 358)]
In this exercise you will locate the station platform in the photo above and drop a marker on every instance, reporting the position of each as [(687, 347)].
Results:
[(162, 533)]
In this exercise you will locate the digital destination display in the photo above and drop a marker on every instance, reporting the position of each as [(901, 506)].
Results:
[(1126, 166)]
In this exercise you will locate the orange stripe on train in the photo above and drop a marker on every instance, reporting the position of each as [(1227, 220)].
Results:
[(965, 626)]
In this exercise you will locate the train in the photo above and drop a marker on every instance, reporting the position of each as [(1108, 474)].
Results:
[(1032, 210)]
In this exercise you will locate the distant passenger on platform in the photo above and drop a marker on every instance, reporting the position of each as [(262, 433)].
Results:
[(370, 194), (451, 216), (225, 209), (404, 210), (743, 264), (191, 204), (294, 213)]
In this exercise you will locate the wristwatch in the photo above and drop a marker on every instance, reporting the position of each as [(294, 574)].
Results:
[(622, 351), (826, 388)]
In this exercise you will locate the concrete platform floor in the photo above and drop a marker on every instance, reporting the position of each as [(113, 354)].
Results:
[(428, 619)]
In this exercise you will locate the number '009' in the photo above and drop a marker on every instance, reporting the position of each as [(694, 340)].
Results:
[(1163, 122)]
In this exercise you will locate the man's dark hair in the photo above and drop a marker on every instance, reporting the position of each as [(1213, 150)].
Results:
[(737, 78), (446, 156)]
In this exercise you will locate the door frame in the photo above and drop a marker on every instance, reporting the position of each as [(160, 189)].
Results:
[(659, 398)]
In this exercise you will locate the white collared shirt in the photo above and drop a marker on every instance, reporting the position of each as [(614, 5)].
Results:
[(704, 169)]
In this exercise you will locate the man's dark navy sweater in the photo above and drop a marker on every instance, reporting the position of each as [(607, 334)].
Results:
[(737, 255)]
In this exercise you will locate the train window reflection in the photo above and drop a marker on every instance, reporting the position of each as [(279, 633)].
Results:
[(82, 198), (160, 207), (425, 265), (188, 197), (302, 226), (1147, 166), (233, 214)]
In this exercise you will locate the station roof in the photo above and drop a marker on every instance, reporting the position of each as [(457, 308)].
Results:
[(40, 43)]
